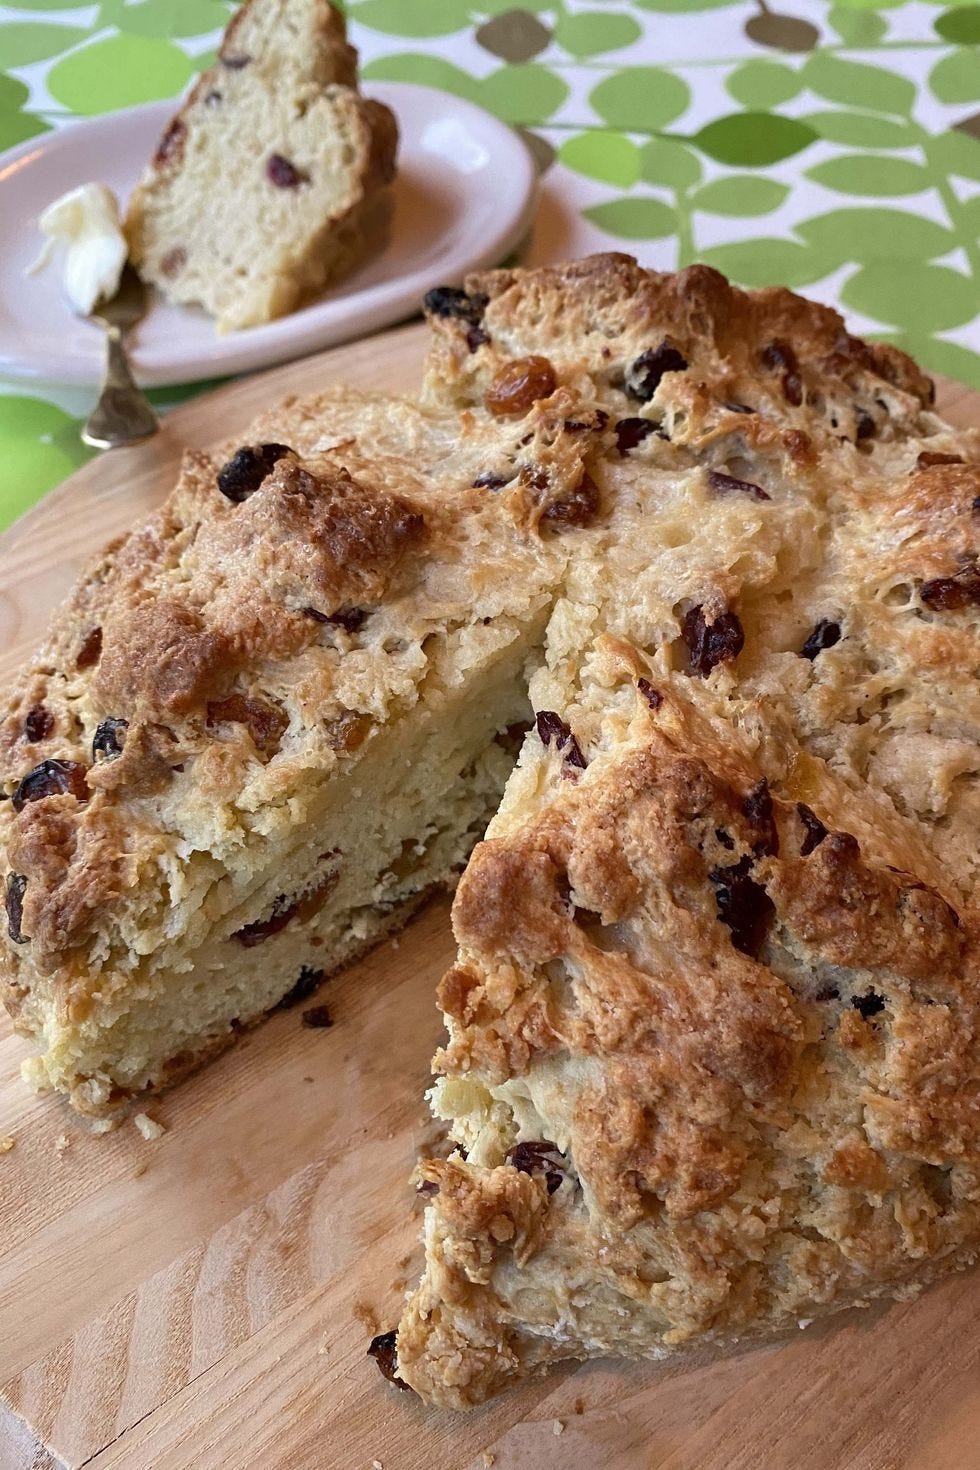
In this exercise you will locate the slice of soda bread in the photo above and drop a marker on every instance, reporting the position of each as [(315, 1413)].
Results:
[(271, 180)]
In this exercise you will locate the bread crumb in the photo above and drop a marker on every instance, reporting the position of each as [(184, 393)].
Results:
[(148, 1126), (6, 1144), (62, 1144), (395, 943), (558, 1427), (139, 1171), (377, 1465), (368, 1317), (489, 1459), (804, 1322), (103, 1125), (579, 1406)]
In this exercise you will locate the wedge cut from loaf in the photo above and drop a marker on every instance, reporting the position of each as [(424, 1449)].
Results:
[(267, 723), (713, 1066), (270, 182)]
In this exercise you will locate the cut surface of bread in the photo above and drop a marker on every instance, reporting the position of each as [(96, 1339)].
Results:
[(713, 1064), (266, 723), (270, 182)]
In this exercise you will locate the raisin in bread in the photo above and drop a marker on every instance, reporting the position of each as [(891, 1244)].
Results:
[(712, 1063), (266, 724), (270, 182)]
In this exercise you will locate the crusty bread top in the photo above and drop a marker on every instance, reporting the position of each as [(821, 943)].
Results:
[(650, 510), (599, 314), (856, 508), (712, 1028), (691, 908), (713, 1065)]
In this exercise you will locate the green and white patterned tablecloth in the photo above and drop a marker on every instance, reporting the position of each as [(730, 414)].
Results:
[(834, 148)]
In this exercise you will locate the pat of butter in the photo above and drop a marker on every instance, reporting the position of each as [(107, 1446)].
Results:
[(87, 218)]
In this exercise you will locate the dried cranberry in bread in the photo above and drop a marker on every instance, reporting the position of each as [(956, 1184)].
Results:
[(270, 182)]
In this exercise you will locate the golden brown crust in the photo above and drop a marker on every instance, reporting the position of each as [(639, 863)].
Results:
[(718, 991), (161, 660), (755, 1059), (212, 669), (74, 860), (171, 617), (603, 312)]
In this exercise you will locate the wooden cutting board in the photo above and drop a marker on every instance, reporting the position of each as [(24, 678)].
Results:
[(204, 1301)]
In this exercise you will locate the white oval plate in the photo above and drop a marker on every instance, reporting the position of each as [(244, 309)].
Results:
[(464, 197)]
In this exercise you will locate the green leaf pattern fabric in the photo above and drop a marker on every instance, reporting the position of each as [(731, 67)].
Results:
[(830, 147)]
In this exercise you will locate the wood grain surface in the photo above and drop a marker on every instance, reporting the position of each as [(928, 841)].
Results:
[(203, 1301)]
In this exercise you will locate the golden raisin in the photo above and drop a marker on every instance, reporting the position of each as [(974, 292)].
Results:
[(519, 385), (265, 722), (312, 902), (348, 731), (91, 649), (576, 508)]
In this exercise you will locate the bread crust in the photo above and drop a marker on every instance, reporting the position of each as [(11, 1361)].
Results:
[(749, 1123), (712, 1065), (208, 592), (600, 312), (215, 670)]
